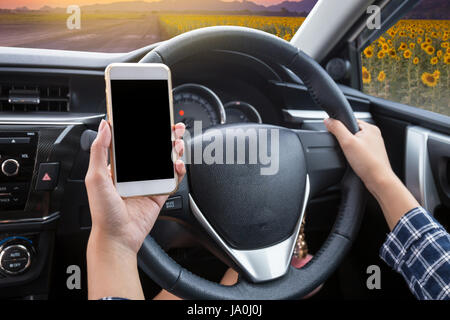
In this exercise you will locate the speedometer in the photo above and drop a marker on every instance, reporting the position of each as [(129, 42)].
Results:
[(194, 102), (239, 111)]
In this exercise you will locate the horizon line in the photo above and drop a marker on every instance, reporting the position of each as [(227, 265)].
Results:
[(154, 1)]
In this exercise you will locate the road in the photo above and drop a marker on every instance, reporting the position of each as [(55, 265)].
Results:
[(121, 35)]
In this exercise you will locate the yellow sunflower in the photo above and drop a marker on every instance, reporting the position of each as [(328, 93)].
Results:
[(403, 46), (429, 79), (437, 74), (416, 60), (429, 50), (366, 77), (380, 54), (434, 60), (381, 76), (447, 59), (368, 52), (419, 40), (407, 54), (444, 45), (439, 53), (392, 53), (412, 45)]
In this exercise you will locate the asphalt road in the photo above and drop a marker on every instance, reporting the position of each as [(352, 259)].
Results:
[(99, 36)]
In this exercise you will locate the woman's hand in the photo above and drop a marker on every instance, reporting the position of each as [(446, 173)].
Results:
[(365, 151), (119, 226), (366, 154)]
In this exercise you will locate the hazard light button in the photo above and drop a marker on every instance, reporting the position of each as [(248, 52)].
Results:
[(48, 176)]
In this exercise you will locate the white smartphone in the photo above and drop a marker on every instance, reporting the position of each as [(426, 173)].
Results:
[(140, 111)]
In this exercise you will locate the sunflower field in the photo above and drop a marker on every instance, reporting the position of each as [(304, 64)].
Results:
[(283, 27), (410, 63)]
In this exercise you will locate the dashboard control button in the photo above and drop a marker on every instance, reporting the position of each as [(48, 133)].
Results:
[(19, 187), (5, 199), (14, 259), (14, 140), (48, 176), (14, 266), (10, 167), (15, 252), (13, 187), (173, 203)]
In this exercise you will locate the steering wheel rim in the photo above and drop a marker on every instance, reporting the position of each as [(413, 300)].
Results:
[(295, 283)]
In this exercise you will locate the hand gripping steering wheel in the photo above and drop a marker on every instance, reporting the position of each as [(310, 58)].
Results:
[(255, 219)]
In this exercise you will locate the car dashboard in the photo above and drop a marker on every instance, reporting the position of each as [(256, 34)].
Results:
[(49, 98)]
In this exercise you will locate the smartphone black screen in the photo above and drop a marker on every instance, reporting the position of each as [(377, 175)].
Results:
[(142, 131)]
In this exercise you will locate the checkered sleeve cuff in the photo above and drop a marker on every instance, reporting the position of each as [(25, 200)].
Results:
[(411, 227), (419, 249)]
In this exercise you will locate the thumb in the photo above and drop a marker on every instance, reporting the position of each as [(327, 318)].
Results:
[(99, 150), (338, 129)]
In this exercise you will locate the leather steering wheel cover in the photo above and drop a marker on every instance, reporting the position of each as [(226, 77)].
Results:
[(321, 86), (297, 282)]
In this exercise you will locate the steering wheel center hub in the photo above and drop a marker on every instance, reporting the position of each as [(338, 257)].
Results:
[(249, 183)]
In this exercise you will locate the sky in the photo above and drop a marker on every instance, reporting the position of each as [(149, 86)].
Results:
[(36, 4)]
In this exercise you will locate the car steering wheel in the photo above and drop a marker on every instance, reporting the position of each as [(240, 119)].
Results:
[(255, 219)]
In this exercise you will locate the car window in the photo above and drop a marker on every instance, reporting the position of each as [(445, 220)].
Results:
[(125, 25), (410, 62)]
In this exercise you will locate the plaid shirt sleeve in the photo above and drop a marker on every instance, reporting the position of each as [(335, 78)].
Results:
[(419, 249)]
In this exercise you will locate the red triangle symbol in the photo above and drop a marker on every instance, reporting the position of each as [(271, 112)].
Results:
[(46, 177)]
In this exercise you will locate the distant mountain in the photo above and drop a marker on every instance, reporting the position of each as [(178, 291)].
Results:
[(46, 8), (202, 5), (294, 6), (22, 9), (431, 9)]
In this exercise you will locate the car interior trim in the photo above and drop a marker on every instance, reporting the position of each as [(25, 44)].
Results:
[(50, 217), (318, 115), (418, 175)]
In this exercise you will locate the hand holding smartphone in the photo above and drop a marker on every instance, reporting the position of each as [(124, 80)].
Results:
[(140, 110)]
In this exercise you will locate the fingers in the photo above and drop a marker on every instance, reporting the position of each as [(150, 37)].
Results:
[(363, 124), (339, 130), (229, 278), (179, 129), (368, 128), (180, 169), (99, 150), (179, 147)]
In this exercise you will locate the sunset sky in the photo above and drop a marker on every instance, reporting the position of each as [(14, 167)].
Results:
[(36, 4)]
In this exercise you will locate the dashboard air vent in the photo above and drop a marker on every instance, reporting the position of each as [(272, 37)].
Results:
[(29, 97)]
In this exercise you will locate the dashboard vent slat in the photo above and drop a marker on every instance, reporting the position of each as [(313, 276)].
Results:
[(26, 97)]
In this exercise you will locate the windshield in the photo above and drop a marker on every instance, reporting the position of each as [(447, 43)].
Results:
[(125, 25)]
